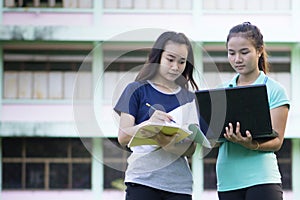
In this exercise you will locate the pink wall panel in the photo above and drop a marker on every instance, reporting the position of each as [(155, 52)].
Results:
[(169, 21), (37, 113), (47, 195), (65, 19)]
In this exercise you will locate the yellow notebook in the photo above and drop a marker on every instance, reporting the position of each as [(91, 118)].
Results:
[(150, 130), (186, 125)]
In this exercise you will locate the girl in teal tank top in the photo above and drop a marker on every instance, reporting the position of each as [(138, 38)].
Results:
[(246, 168)]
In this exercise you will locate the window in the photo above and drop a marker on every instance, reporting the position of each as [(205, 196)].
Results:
[(121, 68), (210, 177), (46, 74), (49, 3), (45, 164), (125, 60), (253, 5), (149, 4), (285, 163), (115, 162)]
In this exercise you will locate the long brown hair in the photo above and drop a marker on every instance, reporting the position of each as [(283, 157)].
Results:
[(150, 68), (252, 33)]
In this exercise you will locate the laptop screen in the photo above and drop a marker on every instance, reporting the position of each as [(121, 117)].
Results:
[(245, 104)]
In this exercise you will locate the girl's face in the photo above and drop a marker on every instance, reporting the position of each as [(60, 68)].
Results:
[(173, 61), (242, 55)]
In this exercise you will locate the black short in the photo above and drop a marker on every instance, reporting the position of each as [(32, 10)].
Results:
[(140, 192), (257, 192)]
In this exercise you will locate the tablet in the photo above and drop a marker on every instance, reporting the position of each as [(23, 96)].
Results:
[(245, 104)]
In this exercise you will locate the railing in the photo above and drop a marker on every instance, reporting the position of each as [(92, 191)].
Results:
[(149, 4), (46, 85), (245, 5), (206, 5), (49, 3), (60, 85)]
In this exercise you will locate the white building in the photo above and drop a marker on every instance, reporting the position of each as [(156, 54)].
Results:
[(64, 62)]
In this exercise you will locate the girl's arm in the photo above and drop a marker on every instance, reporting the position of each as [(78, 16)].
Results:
[(126, 128), (279, 117)]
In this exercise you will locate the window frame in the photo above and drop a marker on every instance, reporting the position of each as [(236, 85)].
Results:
[(26, 161)]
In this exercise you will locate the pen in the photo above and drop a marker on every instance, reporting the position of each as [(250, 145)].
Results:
[(147, 104)]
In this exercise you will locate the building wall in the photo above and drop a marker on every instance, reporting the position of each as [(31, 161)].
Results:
[(56, 103)]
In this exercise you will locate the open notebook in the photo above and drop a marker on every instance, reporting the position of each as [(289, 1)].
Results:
[(186, 125), (245, 104)]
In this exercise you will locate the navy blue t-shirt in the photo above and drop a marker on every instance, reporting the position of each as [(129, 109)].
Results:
[(135, 96)]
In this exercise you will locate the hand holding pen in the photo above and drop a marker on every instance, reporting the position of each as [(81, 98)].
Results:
[(163, 115), (162, 139)]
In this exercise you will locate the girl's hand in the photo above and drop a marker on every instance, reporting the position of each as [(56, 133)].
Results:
[(168, 143), (165, 140), (236, 137), (148, 134), (160, 117)]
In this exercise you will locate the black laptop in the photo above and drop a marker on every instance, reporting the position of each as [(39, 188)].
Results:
[(245, 104)]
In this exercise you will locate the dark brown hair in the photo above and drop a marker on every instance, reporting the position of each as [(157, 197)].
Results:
[(150, 68)]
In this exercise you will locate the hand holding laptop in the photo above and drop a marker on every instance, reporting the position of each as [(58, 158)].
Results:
[(247, 105)]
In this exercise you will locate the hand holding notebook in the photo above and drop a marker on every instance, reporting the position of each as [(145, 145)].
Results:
[(185, 121)]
